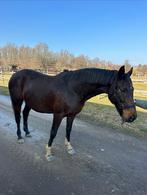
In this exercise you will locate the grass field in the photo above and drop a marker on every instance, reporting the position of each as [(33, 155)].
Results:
[(99, 109)]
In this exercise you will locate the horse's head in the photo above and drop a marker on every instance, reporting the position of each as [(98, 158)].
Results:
[(121, 95)]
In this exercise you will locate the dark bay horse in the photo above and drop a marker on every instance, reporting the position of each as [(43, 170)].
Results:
[(64, 95)]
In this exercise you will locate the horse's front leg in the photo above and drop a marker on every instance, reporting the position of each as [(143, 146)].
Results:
[(68, 145), (57, 118)]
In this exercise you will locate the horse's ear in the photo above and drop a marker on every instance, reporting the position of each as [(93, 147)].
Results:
[(121, 72), (130, 72)]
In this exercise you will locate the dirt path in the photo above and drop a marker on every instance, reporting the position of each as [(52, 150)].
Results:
[(106, 161)]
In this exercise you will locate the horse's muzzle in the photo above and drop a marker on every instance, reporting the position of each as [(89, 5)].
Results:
[(129, 115), (131, 119)]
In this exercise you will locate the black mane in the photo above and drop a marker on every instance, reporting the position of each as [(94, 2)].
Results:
[(90, 75)]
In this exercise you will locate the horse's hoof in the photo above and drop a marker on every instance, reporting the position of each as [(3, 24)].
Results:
[(50, 158), (28, 135), (20, 141), (71, 151)]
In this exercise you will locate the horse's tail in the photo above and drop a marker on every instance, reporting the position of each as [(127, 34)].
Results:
[(15, 88), (15, 91)]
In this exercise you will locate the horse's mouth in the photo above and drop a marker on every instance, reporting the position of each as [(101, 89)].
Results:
[(130, 119), (128, 115)]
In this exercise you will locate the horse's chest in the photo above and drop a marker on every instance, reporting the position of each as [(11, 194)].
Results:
[(74, 106)]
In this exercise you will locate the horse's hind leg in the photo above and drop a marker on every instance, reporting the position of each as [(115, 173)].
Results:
[(69, 123), (26, 111), (17, 110)]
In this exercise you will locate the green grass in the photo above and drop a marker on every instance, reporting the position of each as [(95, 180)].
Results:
[(140, 85), (106, 115), (100, 110), (4, 78)]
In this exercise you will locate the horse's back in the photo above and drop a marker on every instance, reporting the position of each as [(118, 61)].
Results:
[(25, 75)]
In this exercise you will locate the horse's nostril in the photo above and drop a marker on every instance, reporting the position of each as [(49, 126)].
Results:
[(132, 118)]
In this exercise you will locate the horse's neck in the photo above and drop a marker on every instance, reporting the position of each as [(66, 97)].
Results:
[(87, 91), (90, 88)]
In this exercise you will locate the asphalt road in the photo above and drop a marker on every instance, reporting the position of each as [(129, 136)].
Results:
[(106, 161)]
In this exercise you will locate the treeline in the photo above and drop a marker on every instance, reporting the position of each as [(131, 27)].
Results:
[(41, 57)]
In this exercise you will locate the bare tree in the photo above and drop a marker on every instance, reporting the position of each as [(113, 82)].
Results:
[(40, 57)]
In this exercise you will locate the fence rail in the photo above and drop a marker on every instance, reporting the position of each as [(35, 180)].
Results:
[(139, 93)]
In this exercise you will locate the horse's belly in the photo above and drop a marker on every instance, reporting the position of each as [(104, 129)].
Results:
[(43, 110), (40, 106)]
